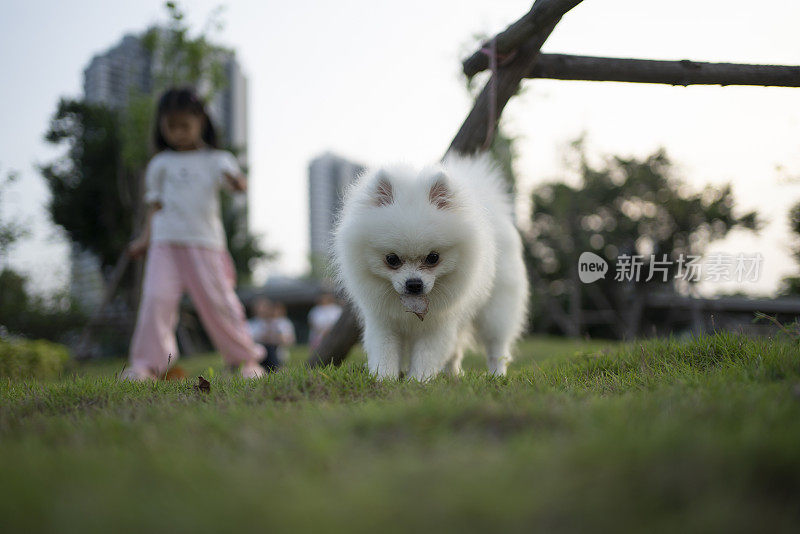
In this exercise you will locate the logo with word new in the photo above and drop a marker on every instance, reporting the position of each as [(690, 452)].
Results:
[(591, 267)]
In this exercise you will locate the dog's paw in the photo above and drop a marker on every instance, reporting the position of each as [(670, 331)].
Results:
[(499, 366), (423, 374), (386, 376), (385, 372)]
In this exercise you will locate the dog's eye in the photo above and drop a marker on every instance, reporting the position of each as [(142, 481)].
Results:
[(393, 260), (432, 258)]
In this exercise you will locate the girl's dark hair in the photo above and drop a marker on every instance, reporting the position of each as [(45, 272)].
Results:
[(182, 99)]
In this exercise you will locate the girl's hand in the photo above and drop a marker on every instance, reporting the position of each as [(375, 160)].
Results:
[(137, 247), (238, 183)]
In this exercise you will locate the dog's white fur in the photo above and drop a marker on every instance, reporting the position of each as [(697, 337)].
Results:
[(460, 210)]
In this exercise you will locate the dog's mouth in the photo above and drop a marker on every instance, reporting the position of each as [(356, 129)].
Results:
[(416, 304)]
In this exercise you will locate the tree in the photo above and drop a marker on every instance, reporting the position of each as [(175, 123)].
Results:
[(89, 186), (626, 206), (180, 58), (22, 313)]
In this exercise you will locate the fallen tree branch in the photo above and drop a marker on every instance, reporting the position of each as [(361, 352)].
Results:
[(543, 14), (478, 128), (684, 72), (474, 134)]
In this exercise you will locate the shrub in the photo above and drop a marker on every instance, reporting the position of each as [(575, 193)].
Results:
[(32, 316), (32, 359)]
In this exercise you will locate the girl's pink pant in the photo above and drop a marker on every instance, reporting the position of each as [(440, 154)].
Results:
[(209, 277)]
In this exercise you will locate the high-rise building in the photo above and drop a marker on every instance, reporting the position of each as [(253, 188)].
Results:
[(328, 175), (122, 70), (128, 68)]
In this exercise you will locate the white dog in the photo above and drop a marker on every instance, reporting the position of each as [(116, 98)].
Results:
[(429, 259)]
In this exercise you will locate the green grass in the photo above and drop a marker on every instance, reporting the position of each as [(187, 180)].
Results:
[(665, 436)]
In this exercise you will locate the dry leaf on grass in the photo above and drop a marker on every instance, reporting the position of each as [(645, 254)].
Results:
[(203, 385), (175, 373)]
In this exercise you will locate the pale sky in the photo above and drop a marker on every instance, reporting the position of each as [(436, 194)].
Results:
[(380, 81)]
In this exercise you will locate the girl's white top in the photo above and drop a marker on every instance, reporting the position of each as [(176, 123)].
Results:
[(187, 186)]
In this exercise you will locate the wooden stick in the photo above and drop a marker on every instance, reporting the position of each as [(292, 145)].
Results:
[(476, 131), (472, 137), (684, 72)]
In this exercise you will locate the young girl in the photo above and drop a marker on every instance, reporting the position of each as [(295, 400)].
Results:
[(186, 242)]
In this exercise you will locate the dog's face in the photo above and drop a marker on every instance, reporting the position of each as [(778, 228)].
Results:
[(415, 236), (412, 269)]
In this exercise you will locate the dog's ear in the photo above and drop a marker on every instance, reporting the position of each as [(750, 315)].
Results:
[(384, 193), (440, 195)]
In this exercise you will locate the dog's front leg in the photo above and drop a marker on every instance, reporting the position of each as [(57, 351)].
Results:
[(383, 351), (431, 352)]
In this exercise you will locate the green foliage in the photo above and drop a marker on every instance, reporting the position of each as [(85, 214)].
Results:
[(40, 359), (698, 435), (88, 185), (22, 313), (626, 206), (630, 205), (32, 316), (136, 131), (13, 295), (182, 59)]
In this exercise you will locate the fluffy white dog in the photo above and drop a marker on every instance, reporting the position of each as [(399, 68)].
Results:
[(431, 259)]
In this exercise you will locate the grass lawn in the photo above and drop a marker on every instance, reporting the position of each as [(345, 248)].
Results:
[(697, 435)]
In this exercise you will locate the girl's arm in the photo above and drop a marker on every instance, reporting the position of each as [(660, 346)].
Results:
[(238, 182), (138, 246)]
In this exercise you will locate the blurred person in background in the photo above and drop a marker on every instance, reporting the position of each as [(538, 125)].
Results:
[(280, 332), (271, 328)]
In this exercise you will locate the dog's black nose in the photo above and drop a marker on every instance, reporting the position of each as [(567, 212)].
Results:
[(414, 286)]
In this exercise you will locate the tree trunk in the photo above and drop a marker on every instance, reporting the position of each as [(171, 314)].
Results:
[(336, 345)]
